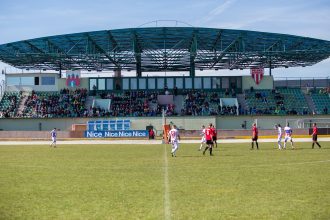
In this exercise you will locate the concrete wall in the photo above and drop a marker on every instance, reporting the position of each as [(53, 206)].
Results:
[(59, 84), (222, 134), (266, 83), (62, 84), (187, 123)]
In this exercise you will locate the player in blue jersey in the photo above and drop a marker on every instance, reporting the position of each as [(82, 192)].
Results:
[(288, 136), (53, 134)]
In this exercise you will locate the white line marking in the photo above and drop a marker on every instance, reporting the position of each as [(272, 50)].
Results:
[(167, 202), (144, 142), (298, 163), (165, 168)]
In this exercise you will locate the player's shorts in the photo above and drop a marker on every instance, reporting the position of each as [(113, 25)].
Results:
[(279, 138), (203, 140), (288, 138), (175, 144), (54, 139), (209, 142), (314, 137), (255, 138), (214, 138)]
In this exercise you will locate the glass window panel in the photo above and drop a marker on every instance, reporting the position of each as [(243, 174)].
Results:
[(225, 83), (179, 83), (12, 81), (101, 84), (188, 83), (151, 83), (125, 84), (28, 81), (92, 84), (232, 82), (216, 83), (160, 83), (133, 83), (109, 84), (170, 83), (207, 83), (48, 80), (239, 82), (142, 83), (198, 83)]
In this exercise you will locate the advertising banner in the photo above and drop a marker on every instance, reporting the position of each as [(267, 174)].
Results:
[(117, 134)]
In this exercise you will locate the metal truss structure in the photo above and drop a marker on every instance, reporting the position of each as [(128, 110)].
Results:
[(165, 49)]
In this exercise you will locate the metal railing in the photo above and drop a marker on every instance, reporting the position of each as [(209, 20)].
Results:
[(2, 88), (306, 82)]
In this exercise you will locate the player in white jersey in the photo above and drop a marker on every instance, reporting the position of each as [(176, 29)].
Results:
[(203, 141), (174, 137), (288, 136), (279, 136), (53, 135)]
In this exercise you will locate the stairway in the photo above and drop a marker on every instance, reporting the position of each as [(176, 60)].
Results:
[(241, 101), (310, 103), (178, 103), (89, 101), (21, 106)]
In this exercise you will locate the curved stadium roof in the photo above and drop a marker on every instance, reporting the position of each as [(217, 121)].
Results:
[(165, 48)]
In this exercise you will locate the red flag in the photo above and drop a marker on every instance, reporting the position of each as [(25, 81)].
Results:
[(257, 75)]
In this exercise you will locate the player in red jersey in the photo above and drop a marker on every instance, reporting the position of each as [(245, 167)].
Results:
[(209, 137), (214, 138), (254, 136), (314, 136)]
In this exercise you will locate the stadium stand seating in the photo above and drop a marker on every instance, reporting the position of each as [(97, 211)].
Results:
[(282, 101), (65, 103), (9, 104), (134, 103), (199, 103), (72, 103), (321, 101)]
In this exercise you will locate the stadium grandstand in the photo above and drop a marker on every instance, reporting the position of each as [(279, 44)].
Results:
[(51, 84)]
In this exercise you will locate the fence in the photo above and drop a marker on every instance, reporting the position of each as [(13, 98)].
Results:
[(296, 82)]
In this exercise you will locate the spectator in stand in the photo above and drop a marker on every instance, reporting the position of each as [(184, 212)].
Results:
[(175, 91)]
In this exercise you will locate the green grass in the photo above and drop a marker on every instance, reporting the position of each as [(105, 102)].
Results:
[(127, 182)]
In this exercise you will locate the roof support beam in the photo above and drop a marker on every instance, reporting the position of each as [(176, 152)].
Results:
[(100, 49), (232, 45), (34, 47), (217, 40), (137, 54), (113, 41), (193, 54), (274, 45)]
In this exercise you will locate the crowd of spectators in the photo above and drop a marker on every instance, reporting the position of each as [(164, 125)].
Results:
[(72, 103), (131, 103), (199, 103), (274, 107), (66, 103), (9, 109)]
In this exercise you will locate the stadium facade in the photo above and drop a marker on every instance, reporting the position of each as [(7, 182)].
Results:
[(189, 100)]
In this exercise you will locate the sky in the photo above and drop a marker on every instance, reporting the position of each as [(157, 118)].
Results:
[(27, 19)]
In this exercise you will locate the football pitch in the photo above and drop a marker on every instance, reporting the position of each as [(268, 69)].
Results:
[(145, 182)]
